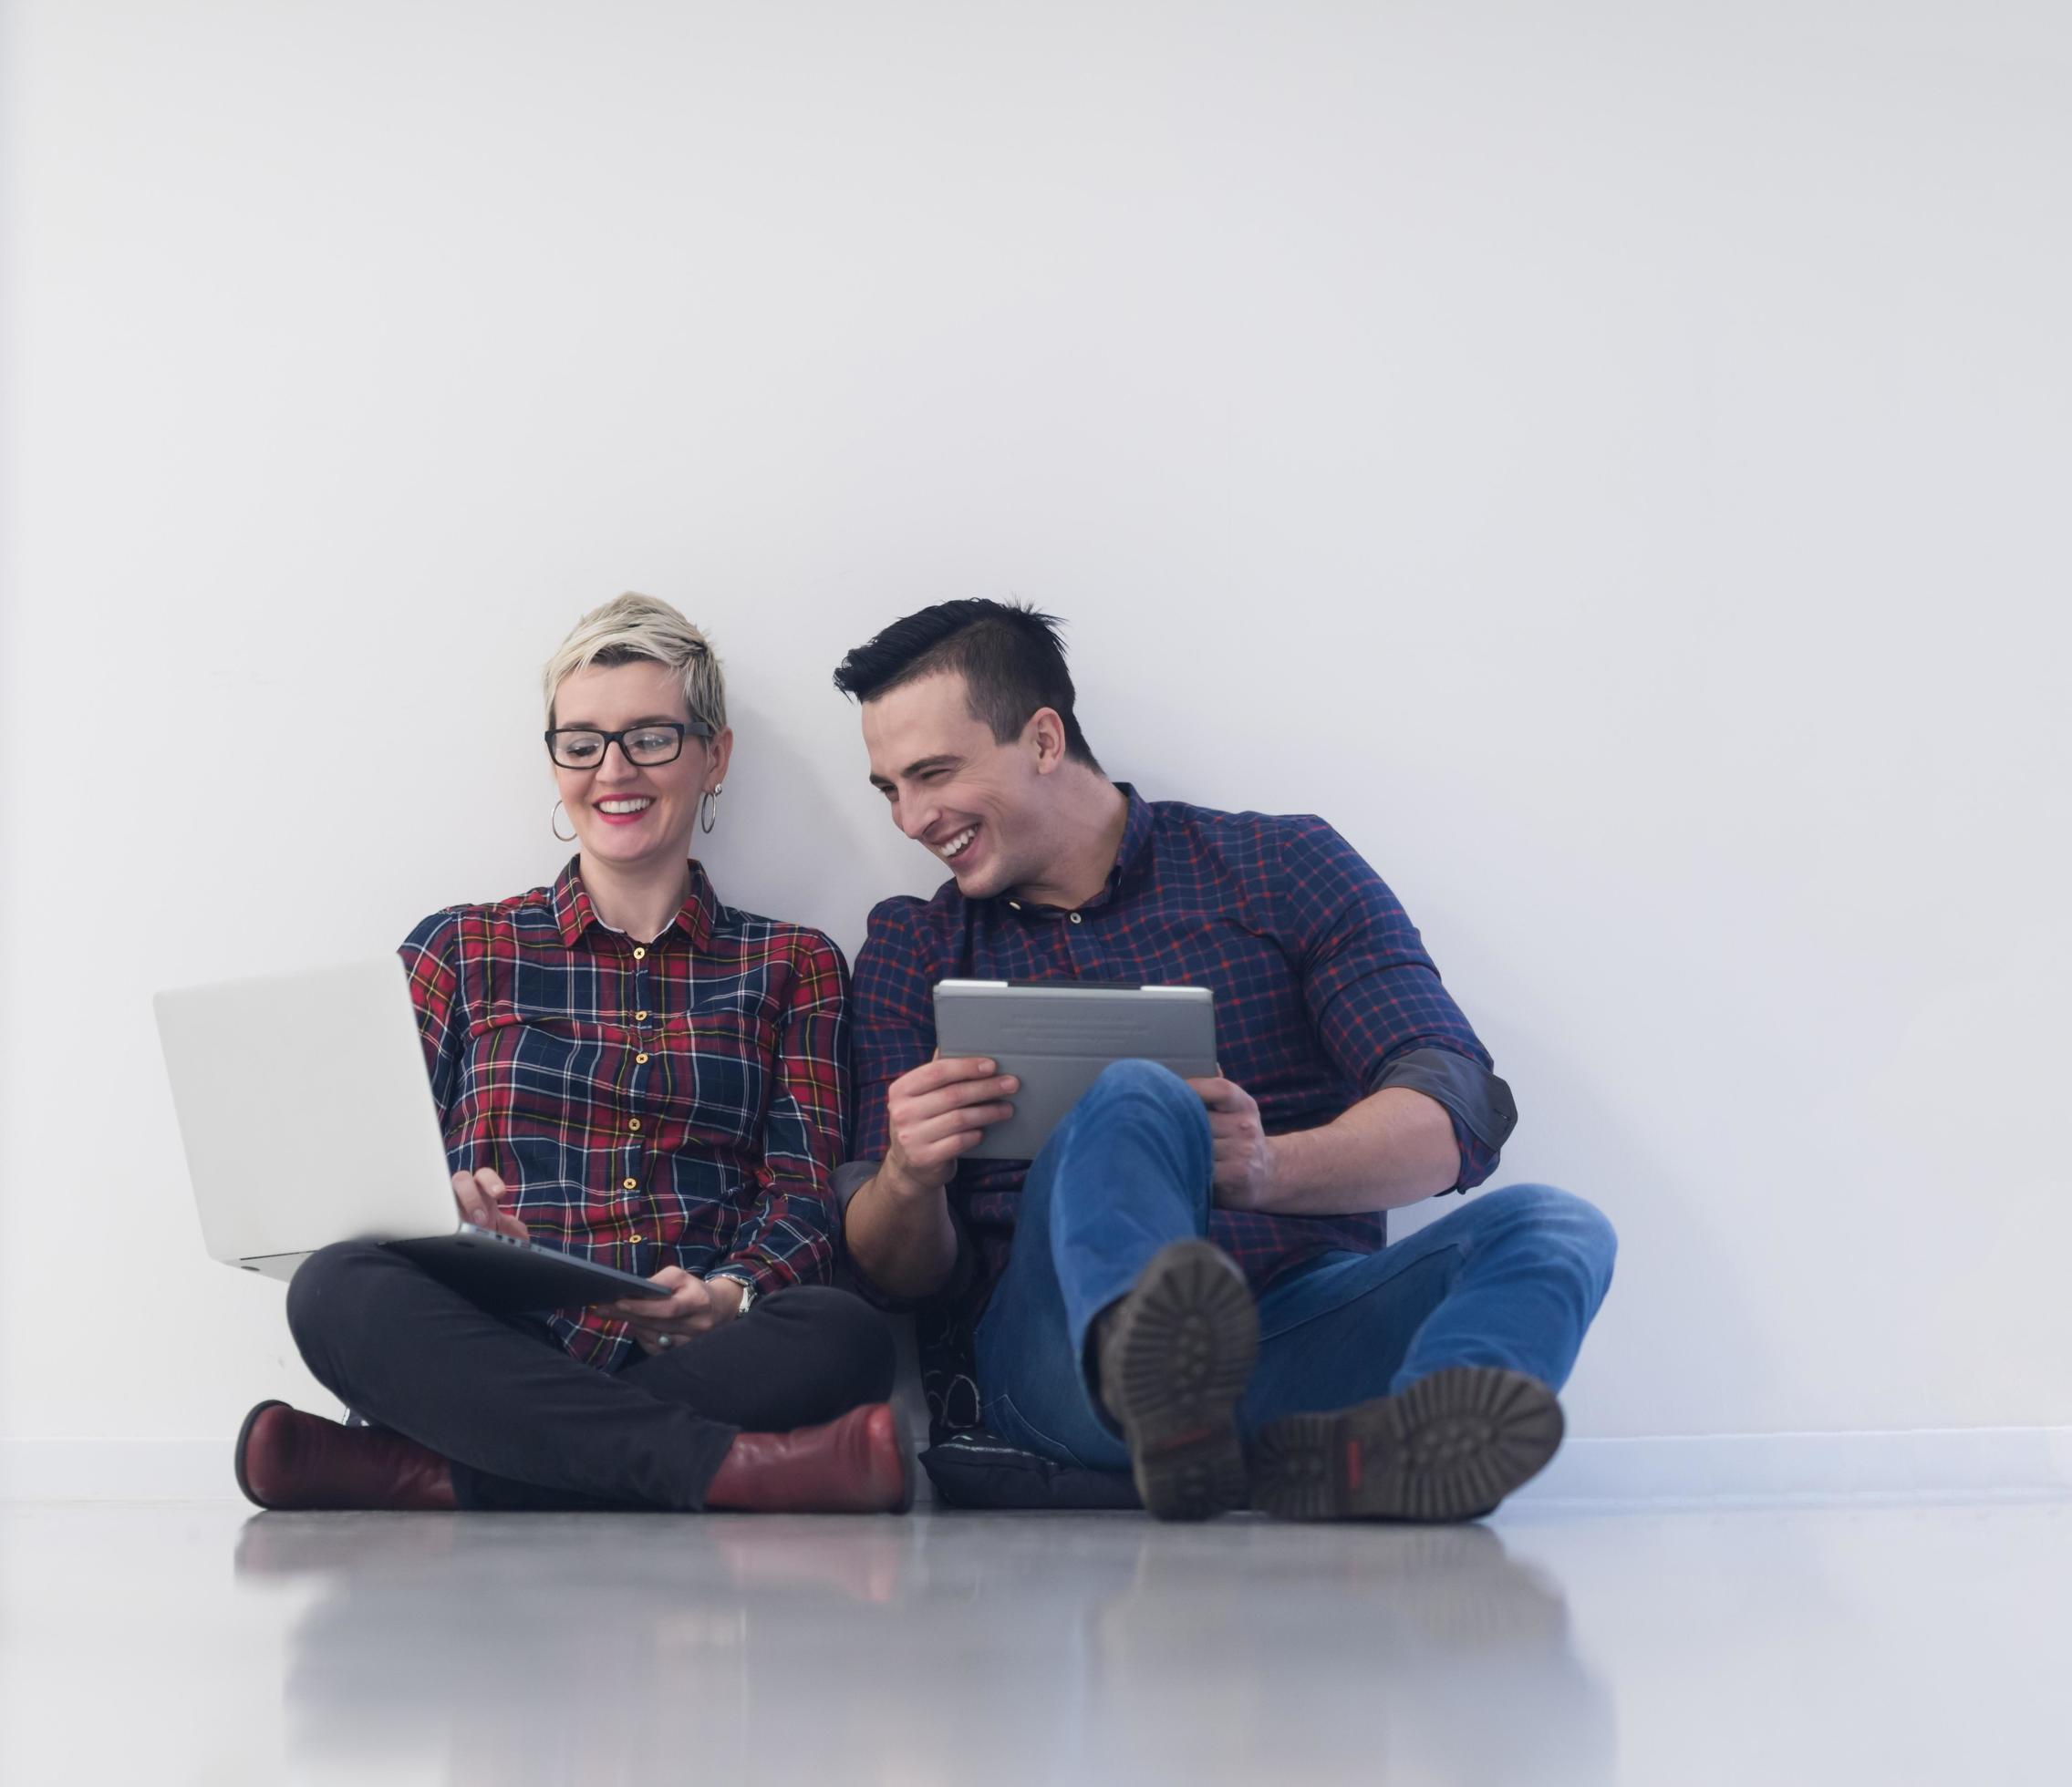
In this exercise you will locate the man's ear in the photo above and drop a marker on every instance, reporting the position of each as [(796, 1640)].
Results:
[(1046, 734)]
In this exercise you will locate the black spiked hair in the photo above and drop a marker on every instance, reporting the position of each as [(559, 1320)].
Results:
[(1009, 654)]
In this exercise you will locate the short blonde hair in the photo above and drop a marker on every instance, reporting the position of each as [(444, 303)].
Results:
[(631, 628)]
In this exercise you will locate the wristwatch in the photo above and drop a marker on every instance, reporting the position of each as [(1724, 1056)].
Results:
[(748, 1289)]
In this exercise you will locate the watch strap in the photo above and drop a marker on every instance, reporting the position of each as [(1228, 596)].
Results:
[(747, 1283)]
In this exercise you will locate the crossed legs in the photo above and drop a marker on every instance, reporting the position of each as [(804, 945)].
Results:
[(1486, 1307), (517, 1423)]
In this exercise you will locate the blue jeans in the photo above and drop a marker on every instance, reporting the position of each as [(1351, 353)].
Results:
[(1510, 1278)]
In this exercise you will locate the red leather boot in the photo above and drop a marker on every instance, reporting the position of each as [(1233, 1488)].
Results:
[(287, 1458), (856, 1465)]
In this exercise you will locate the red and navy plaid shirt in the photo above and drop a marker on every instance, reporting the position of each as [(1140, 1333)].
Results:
[(1320, 977), (678, 1102)]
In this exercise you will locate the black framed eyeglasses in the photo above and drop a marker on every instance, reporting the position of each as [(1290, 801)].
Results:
[(647, 745)]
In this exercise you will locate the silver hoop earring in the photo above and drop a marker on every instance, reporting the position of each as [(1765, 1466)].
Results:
[(558, 808), (708, 808)]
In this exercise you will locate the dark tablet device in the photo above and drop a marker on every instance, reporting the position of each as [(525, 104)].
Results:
[(509, 1276), (1055, 1036)]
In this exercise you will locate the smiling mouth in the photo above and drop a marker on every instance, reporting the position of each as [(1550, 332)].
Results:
[(626, 807), (958, 845)]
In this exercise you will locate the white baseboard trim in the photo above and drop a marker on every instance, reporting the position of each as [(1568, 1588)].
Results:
[(117, 1471), (1685, 1471), (1733, 1468)]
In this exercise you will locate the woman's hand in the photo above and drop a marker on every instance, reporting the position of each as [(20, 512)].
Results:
[(481, 1197), (692, 1306)]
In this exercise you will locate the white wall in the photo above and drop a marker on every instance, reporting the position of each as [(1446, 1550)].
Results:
[(1612, 460)]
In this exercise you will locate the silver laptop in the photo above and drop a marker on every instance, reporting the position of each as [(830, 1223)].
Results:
[(308, 1118), (1055, 1036)]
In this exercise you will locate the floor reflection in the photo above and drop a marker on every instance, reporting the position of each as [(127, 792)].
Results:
[(1425, 1654), (601, 1648)]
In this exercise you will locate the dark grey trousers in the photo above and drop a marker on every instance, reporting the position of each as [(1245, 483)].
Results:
[(526, 1426)]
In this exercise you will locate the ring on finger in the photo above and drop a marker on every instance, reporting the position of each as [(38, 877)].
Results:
[(663, 1342)]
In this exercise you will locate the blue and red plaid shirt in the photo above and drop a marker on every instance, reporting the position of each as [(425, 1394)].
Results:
[(678, 1102), (1320, 977)]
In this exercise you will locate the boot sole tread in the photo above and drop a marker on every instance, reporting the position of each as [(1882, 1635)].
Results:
[(1186, 1337), (1449, 1447)]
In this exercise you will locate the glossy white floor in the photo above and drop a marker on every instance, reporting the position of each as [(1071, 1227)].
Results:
[(201, 1643)]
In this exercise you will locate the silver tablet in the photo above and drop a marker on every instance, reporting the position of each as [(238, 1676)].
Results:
[(1055, 1036)]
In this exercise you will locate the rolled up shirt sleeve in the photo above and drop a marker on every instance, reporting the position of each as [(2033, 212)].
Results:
[(787, 1236), (1375, 997)]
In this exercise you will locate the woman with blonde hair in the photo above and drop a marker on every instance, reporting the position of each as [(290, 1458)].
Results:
[(628, 1070)]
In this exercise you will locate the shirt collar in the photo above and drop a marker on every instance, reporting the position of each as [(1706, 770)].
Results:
[(1136, 836), (1137, 840), (574, 913)]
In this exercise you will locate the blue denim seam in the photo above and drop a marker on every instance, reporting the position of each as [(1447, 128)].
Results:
[(1366, 1286)]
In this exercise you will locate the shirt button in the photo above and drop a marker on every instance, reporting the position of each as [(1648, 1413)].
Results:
[(639, 955), (633, 1123), (639, 1018), (629, 1184), (640, 1060), (638, 1240), (1075, 918)]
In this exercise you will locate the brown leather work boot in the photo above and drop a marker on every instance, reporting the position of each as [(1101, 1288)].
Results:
[(1449, 1447), (856, 1465), (287, 1458)]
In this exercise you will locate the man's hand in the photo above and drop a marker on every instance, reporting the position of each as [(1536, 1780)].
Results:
[(897, 1228), (693, 1306), (936, 1114), (481, 1197), (1244, 1155)]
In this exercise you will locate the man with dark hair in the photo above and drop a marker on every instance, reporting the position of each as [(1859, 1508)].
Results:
[(1192, 1279), (1009, 657)]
